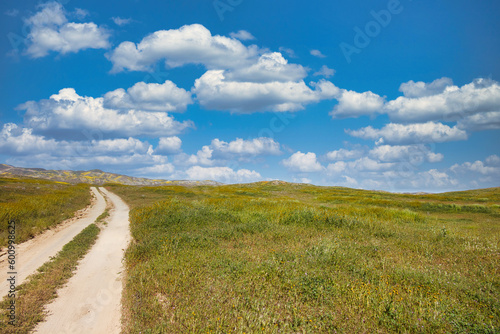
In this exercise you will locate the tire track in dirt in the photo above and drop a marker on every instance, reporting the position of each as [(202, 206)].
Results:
[(30, 255), (91, 301)]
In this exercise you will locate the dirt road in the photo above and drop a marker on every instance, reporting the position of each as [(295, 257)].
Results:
[(90, 302), (30, 255)]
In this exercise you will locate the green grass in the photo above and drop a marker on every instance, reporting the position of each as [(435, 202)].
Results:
[(41, 287), (36, 205), (304, 259), (102, 217)]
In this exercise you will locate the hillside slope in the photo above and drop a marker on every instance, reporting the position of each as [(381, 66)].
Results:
[(95, 176)]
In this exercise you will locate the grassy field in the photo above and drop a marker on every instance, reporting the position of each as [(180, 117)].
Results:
[(282, 258), (36, 205)]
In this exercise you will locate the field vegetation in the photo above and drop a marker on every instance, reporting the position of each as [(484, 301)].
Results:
[(36, 205), (284, 258)]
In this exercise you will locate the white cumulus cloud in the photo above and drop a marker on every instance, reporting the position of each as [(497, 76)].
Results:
[(69, 114), (121, 21), (364, 164), (477, 166), (251, 147), (317, 53), (354, 104), (239, 78), (168, 145), (493, 160), (220, 152), (482, 121), (16, 140), (49, 30), (474, 106), (368, 164), (343, 154), (452, 104), (415, 154), (190, 44), (215, 92), (303, 162), (162, 170), (151, 97), (222, 174), (325, 71), (242, 35), (269, 67), (412, 89), (392, 133)]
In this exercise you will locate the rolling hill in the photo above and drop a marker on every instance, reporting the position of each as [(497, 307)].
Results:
[(94, 176)]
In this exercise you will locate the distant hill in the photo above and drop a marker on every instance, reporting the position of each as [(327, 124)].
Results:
[(94, 176)]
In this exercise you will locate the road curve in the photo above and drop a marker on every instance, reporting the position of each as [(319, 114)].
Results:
[(91, 301), (30, 255)]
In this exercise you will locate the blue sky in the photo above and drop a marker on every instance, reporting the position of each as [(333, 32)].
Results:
[(391, 95)]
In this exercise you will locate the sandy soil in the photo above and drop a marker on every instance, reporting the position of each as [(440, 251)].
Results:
[(30, 255), (90, 302)]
